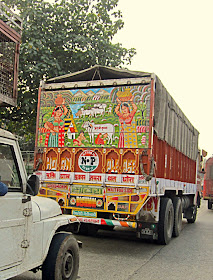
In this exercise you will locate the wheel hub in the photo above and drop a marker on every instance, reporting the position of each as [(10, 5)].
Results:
[(67, 266)]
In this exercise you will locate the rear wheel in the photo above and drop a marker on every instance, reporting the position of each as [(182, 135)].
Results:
[(193, 211), (209, 205), (62, 261), (177, 216), (166, 221)]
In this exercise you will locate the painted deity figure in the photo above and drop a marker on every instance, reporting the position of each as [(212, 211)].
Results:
[(55, 124), (128, 135)]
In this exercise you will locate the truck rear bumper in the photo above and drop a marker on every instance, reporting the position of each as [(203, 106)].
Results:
[(107, 222)]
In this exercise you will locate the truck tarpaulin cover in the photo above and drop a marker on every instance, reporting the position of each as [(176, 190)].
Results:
[(170, 124)]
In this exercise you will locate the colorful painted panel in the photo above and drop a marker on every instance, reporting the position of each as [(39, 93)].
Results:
[(86, 202), (95, 117), (89, 190)]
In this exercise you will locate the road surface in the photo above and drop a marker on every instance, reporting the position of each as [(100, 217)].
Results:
[(118, 255)]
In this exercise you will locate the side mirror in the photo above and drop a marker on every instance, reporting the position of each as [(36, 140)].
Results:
[(33, 185)]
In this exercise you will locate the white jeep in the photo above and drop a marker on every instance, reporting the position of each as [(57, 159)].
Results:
[(33, 232)]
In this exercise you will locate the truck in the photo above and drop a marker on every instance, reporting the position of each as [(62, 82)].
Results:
[(208, 182), (115, 149), (34, 233)]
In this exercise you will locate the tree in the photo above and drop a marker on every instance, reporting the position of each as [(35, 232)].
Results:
[(59, 38)]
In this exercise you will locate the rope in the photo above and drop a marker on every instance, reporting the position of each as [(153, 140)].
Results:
[(152, 169)]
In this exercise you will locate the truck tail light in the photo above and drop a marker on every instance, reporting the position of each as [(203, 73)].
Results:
[(42, 191), (135, 198), (121, 198)]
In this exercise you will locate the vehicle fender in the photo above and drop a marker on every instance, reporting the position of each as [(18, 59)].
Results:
[(54, 226)]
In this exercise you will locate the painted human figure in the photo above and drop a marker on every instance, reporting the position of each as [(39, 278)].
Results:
[(100, 138), (79, 139), (55, 126), (128, 135)]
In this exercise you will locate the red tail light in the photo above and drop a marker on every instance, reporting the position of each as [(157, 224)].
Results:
[(135, 198)]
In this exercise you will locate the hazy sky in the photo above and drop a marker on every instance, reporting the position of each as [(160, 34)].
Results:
[(173, 39)]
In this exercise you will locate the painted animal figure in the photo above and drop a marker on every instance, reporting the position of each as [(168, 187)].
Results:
[(97, 111), (87, 112), (95, 129), (101, 106), (79, 114)]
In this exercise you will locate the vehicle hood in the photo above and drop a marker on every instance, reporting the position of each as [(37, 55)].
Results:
[(44, 208)]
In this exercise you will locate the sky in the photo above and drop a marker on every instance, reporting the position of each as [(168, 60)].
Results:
[(173, 39)]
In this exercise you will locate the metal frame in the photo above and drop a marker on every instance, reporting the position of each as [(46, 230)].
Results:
[(10, 33)]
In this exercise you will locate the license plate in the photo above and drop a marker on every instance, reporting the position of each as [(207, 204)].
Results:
[(84, 213)]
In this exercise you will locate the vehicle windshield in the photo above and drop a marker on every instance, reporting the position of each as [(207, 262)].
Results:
[(9, 172)]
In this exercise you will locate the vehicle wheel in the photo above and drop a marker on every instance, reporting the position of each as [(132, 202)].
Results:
[(193, 215), (209, 205), (166, 221), (198, 200), (62, 261), (177, 216)]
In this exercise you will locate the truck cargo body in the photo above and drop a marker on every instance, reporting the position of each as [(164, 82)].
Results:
[(112, 146), (208, 182)]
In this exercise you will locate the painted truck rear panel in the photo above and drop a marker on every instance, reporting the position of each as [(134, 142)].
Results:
[(94, 113), (92, 136), (91, 119)]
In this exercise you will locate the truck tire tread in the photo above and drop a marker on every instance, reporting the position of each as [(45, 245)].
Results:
[(209, 205), (166, 221), (177, 216)]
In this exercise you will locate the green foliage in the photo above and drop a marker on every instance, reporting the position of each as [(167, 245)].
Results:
[(59, 38)]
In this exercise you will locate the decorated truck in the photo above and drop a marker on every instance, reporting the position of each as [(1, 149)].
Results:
[(114, 149), (34, 233), (208, 182)]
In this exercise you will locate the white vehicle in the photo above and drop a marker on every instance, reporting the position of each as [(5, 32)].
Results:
[(33, 232)]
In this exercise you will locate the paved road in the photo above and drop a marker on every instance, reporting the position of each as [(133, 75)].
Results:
[(119, 255)]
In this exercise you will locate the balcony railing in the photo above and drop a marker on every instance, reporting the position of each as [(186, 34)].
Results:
[(10, 38)]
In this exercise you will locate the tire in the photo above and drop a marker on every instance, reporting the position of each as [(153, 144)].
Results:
[(198, 200), (209, 205), (177, 216), (193, 210), (62, 261), (166, 221)]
